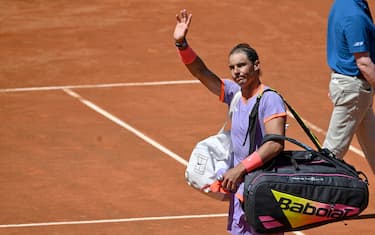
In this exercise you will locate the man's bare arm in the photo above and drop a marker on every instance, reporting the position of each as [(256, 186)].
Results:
[(366, 66)]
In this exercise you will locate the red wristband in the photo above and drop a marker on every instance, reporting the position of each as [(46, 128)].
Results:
[(187, 55), (252, 162)]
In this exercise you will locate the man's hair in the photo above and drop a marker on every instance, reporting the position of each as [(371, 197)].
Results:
[(252, 55)]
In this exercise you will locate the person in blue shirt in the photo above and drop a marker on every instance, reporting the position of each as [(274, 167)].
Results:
[(351, 57)]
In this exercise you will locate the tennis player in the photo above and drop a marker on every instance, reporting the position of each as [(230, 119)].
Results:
[(245, 70)]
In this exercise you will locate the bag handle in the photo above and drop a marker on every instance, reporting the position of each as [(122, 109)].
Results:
[(270, 137), (325, 154), (293, 159)]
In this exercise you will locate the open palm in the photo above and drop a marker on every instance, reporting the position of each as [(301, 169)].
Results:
[(182, 26)]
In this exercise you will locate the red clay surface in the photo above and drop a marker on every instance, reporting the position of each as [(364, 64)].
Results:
[(62, 161)]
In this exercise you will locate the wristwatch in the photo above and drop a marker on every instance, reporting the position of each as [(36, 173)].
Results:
[(182, 44)]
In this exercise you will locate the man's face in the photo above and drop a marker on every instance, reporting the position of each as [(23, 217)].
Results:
[(241, 68)]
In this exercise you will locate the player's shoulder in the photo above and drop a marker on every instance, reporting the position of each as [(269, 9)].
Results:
[(271, 96), (270, 92), (230, 86)]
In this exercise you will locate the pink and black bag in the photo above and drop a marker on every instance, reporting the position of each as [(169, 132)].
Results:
[(303, 189)]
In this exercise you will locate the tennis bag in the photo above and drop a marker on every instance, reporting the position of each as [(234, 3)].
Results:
[(303, 189)]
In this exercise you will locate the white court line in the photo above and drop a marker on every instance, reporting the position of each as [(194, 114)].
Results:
[(50, 88), (126, 126), (112, 220)]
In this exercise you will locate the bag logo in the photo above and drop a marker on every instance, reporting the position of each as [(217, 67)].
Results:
[(200, 166), (301, 211)]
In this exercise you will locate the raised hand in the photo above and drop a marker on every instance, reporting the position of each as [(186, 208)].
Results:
[(182, 26)]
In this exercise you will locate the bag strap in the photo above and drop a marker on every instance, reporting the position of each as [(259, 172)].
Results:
[(236, 98), (366, 216), (324, 153), (270, 137), (251, 130), (253, 121), (309, 133)]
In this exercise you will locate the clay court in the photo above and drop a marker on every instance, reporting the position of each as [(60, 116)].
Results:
[(99, 116)]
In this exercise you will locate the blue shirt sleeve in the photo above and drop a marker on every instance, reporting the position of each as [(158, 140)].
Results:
[(356, 33)]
